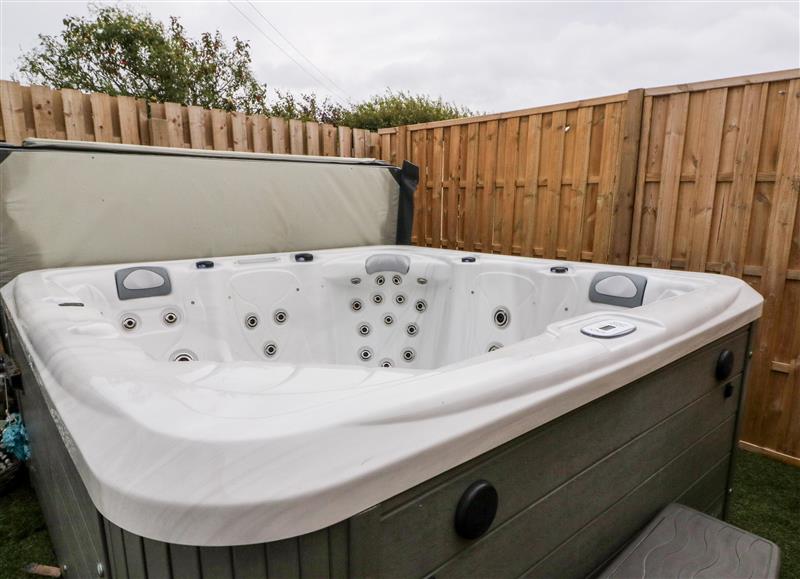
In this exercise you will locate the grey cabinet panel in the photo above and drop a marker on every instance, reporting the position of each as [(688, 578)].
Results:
[(250, 562), (216, 562), (185, 562), (156, 556), (412, 534)]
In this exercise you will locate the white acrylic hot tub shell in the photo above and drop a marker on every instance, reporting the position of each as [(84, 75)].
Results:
[(224, 453)]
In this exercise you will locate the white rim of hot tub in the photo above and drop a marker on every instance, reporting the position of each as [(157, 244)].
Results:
[(157, 465)]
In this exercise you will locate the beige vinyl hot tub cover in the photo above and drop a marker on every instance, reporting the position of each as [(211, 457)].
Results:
[(74, 203)]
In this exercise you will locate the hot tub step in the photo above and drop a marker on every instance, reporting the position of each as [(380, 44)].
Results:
[(687, 543)]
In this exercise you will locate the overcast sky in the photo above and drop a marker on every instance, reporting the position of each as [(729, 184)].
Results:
[(489, 56)]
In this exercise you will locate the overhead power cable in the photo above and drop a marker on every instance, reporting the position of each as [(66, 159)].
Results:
[(333, 84), (279, 47)]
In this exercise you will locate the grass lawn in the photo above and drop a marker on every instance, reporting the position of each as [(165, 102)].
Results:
[(23, 537), (766, 501)]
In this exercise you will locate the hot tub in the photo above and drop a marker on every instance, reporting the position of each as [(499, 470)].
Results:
[(376, 411)]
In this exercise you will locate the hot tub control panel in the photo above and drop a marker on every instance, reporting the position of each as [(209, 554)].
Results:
[(608, 329)]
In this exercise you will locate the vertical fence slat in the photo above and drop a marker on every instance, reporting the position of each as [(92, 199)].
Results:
[(471, 188), (506, 205), (345, 141), (11, 107), (128, 120), (712, 122), (312, 138), (43, 121), (261, 134), (670, 179), (197, 127), (607, 187), (435, 206), (580, 182), (418, 157), (101, 118), (73, 114), (554, 172), (531, 192), (453, 186), (487, 196), (219, 130), (280, 131), (239, 131), (626, 182), (159, 132), (745, 166), (328, 140), (641, 174), (296, 140), (174, 117), (359, 143)]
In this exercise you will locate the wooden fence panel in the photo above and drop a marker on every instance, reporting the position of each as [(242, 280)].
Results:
[(518, 183), (38, 111), (717, 190)]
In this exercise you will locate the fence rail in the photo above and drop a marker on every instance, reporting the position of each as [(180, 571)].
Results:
[(702, 177)]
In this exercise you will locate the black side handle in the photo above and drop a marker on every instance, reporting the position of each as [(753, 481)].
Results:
[(476, 510), (303, 257), (724, 365)]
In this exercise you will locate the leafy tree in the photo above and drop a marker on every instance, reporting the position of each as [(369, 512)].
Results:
[(306, 107), (120, 52), (393, 109)]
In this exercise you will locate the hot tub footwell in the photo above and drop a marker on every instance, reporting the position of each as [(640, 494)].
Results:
[(571, 493)]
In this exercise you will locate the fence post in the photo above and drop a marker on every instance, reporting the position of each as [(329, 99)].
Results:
[(622, 209)]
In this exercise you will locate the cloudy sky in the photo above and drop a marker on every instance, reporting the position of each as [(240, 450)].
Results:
[(489, 56)]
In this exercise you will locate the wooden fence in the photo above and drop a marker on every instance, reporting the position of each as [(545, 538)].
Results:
[(37, 111), (703, 177)]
